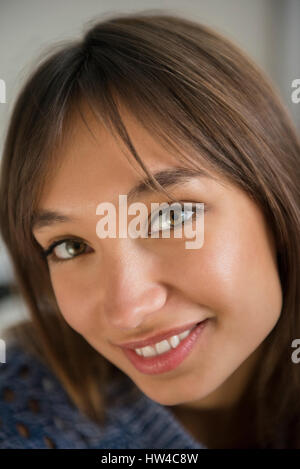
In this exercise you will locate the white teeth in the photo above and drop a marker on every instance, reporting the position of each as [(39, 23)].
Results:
[(174, 341), (163, 346), (148, 351), (183, 335)]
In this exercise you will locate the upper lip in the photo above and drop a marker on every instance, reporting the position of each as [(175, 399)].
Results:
[(158, 337)]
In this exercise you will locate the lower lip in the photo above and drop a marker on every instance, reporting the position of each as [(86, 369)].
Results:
[(168, 360)]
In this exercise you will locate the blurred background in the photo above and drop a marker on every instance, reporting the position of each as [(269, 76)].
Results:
[(268, 30)]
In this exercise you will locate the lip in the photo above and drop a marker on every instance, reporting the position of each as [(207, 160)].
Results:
[(170, 360), (158, 337)]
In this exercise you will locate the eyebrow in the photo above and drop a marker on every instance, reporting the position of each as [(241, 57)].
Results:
[(168, 177)]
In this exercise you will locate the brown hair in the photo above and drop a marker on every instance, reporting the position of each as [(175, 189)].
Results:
[(200, 96)]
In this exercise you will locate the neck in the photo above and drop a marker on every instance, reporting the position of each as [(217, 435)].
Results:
[(224, 419), (219, 428)]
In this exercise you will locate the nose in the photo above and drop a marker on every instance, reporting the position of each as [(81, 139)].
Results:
[(132, 292)]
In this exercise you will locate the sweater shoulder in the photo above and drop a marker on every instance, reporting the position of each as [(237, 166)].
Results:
[(35, 410)]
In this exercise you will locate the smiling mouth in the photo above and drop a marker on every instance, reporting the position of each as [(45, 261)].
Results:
[(151, 341), (167, 360)]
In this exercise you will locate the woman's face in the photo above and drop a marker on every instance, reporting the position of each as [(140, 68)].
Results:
[(124, 289)]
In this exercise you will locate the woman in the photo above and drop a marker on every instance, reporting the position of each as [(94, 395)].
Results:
[(199, 118)]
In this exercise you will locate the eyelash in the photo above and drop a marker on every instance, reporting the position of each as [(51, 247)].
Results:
[(53, 258)]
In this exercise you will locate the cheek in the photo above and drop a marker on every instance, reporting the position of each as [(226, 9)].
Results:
[(235, 275), (72, 298)]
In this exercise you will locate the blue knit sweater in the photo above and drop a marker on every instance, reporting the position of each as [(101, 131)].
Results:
[(36, 412)]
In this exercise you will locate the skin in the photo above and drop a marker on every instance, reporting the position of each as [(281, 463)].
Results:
[(122, 289)]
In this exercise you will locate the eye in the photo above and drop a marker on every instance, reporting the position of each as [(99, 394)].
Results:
[(171, 218), (65, 249)]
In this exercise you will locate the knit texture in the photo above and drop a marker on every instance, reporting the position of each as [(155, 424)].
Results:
[(36, 412)]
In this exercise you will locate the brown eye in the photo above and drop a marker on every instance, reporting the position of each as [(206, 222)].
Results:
[(72, 248), (65, 249), (176, 217), (170, 219)]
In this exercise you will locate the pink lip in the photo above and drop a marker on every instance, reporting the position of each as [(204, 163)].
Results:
[(158, 338), (171, 359)]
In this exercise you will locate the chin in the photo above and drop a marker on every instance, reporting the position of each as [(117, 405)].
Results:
[(164, 397)]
